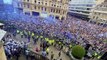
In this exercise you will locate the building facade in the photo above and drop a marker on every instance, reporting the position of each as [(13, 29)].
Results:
[(55, 8), (99, 13), (82, 8)]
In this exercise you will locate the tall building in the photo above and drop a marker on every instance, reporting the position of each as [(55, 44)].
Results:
[(82, 8), (55, 8), (99, 13)]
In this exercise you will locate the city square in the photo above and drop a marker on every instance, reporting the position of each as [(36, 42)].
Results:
[(53, 30)]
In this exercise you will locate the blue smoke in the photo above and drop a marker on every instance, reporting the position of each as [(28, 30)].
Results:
[(7, 1)]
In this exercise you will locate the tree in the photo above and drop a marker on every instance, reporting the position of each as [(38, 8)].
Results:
[(78, 52)]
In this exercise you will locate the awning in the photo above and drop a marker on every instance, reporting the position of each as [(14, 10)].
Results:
[(1, 24)]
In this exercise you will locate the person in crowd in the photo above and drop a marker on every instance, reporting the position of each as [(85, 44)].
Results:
[(37, 49), (60, 59), (27, 52), (52, 55), (47, 51), (44, 53), (32, 56), (59, 54)]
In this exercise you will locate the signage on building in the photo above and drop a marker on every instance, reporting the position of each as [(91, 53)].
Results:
[(44, 15)]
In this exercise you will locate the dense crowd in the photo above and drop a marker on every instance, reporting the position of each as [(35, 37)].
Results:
[(16, 50), (12, 48), (85, 31), (70, 30)]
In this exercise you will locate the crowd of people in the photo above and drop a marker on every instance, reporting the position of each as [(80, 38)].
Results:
[(70, 30), (16, 50), (12, 47)]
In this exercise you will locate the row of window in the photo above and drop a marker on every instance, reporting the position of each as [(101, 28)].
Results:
[(80, 8), (53, 10), (103, 6), (47, 3), (98, 19), (96, 13), (100, 14), (81, 11), (87, 5), (59, 1)]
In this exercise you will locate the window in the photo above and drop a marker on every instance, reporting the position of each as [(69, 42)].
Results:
[(42, 3), (93, 17), (99, 14), (63, 12), (56, 11), (45, 3), (95, 13), (100, 5), (35, 1), (35, 7), (28, 0), (96, 17), (54, 5), (38, 7), (61, 1), (89, 5), (27, 13), (88, 8), (59, 11), (45, 9), (28, 6), (38, 2), (42, 8), (51, 10), (60, 6)]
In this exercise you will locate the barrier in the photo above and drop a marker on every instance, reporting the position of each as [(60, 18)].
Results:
[(37, 56)]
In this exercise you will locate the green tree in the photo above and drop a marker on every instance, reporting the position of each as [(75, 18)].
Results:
[(78, 52)]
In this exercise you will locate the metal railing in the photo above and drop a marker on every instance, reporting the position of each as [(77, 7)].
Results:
[(38, 56)]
